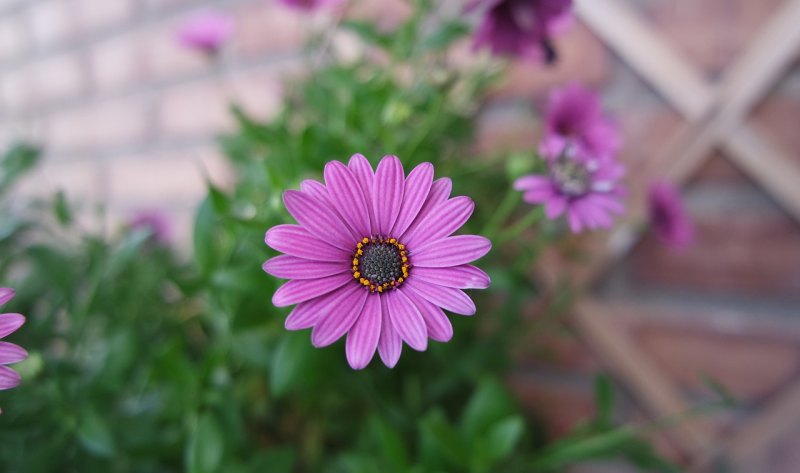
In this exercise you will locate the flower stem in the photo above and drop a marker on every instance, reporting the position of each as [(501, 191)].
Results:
[(501, 214), (512, 232)]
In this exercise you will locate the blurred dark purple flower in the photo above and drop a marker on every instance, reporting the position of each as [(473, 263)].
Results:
[(668, 216), (521, 28), (206, 31), (584, 187), (154, 222), (310, 4), (9, 352), (575, 114)]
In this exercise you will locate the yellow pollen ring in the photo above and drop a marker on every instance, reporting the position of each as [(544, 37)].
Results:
[(359, 251)]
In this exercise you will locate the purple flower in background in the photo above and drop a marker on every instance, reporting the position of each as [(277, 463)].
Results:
[(154, 222), (9, 353), (373, 257), (584, 187), (521, 28), (668, 216), (206, 31), (575, 114), (310, 4)]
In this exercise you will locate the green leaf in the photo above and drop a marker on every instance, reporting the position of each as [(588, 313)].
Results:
[(504, 436), (390, 443), (446, 35), (205, 448), (446, 439), (367, 32), (18, 160), (287, 364), (61, 209), (604, 398), (95, 435), (489, 404), (204, 241)]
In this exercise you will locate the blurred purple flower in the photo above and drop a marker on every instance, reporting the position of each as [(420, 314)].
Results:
[(575, 114), (206, 31), (310, 4), (154, 222), (521, 28), (372, 258), (9, 353), (584, 187), (668, 215)]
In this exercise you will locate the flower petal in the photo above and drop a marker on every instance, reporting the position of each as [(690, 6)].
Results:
[(316, 217), (439, 193), (407, 320), (442, 221), (451, 251), (390, 345), (555, 206), (438, 325), (297, 241), (301, 290), (338, 316), (362, 340), (348, 197), (417, 186), (454, 300), (9, 323), (10, 353), (532, 182), (461, 277), (316, 190), (292, 267), (6, 294), (8, 378), (362, 170), (387, 195)]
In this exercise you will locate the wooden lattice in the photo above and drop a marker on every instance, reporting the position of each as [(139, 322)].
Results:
[(715, 116)]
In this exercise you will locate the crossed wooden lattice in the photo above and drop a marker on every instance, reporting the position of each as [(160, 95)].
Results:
[(716, 116)]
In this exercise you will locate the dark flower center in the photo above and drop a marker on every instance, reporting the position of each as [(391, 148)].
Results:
[(380, 263), (571, 176)]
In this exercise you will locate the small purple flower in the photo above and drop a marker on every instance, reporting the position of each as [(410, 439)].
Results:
[(309, 5), (668, 216), (154, 222), (584, 187), (575, 114), (9, 353), (206, 31), (373, 258), (521, 28)]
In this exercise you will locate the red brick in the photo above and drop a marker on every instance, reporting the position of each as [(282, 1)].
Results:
[(507, 129), (560, 404), (101, 126), (118, 63), (776, 120), (52, 22), (57, 78), (14, 39), (268, 27), (80, 180), (719, 170), (16, 91), (93, 15), (582, 57)]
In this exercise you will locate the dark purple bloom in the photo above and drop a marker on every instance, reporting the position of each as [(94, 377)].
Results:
[(373, 257), (521, 28), (584, 187), (154, 222), (574, 113), (9, 352), (310, 4), (668, 216), (206, 31)]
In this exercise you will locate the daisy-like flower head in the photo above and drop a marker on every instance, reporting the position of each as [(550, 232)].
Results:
[(206, 31), (309, 5), (154, 222), (668, 216), (521, 28), (574, 113), (584, 187), (372, 257), (9, 353)]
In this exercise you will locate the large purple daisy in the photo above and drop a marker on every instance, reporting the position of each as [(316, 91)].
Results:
[(373, 257), (584, 187), (9, 353)]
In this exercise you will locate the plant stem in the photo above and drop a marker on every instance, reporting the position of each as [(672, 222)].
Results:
[(501, 214), (512, 232)]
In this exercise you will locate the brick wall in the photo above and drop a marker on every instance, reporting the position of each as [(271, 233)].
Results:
[(128, 116)]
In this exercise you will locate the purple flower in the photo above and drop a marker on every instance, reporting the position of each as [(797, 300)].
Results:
[(309, 4), (668, 216), (154, 222), (575, 114), (584, 187), (9, 353), (521, 28), (373, 258), (206, 31)]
